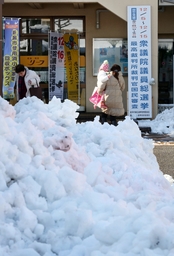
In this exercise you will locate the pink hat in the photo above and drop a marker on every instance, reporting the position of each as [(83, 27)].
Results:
[(104, 66)]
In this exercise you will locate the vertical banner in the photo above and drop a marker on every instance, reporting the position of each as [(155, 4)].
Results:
[(11, 56), (72, 65), (139, 61), (56, 65)]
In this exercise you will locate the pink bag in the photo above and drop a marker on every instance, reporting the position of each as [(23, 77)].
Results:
[(97, 99)]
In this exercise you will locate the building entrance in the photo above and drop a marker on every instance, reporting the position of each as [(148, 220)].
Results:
[(165, 71)]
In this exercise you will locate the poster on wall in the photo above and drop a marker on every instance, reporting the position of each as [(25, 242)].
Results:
[(139, 62), (10, 56), (56, 65), (72, 65), (114, 50)]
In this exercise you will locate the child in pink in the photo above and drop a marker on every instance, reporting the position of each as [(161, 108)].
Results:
[(103, 74)]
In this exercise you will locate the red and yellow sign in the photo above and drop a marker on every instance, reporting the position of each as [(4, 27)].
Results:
[(34, 61)]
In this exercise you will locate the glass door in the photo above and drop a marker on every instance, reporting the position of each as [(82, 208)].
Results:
[(165, 71)]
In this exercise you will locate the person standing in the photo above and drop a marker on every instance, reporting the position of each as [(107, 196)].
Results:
[(113, 99), (24, 80)]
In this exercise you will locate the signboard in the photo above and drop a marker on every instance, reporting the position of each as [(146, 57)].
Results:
[(63, 55), (72, 65), (11, 56), (114, 50), (34, 61), (139, 62), (56, 65)]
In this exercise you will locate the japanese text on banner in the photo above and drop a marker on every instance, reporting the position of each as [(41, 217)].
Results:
[(72, 65), (139, 61), (11, 57), (56, 65)]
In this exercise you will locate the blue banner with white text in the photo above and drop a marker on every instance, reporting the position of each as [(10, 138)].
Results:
[(11, 56)]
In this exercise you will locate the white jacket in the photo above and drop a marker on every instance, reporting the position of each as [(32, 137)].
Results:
[(30, 75), (102, 77)]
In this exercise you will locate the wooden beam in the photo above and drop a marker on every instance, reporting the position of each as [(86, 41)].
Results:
[(78, 5), (81, 5), (36, 5)]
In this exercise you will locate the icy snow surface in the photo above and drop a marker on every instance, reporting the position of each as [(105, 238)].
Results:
[(72, 189)]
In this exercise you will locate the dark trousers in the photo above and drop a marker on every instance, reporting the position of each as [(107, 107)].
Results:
[(103, 118), (112, 119)]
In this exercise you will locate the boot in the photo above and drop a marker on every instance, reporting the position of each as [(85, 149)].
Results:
[(113, 120), (103, 118)]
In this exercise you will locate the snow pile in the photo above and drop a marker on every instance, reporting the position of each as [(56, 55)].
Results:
[(102, 195), (163, 122)]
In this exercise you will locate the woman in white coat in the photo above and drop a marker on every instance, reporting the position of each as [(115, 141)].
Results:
[(25, 79), (113, 89)]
